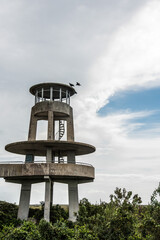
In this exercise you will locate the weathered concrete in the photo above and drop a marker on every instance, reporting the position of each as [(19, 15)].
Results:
[(49, 156), (49, 106), (48, 188), (71, 157), (70, 126), (32, 127), (48, 198), (50, 126), (54, 170), (73, 200), (39, 147), (59, 109), (24, 201), (52, 185)]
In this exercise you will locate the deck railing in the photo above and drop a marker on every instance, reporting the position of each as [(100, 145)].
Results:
[(23, 162)]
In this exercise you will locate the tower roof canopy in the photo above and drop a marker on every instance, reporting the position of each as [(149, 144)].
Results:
[(55, 86)]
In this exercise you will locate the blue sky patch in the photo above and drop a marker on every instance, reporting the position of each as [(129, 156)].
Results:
[(135, 101)]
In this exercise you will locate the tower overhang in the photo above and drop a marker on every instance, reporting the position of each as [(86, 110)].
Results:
[(39, 147), (37, 172)]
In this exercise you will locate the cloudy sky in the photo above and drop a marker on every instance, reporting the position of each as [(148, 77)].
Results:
[(113, 49)]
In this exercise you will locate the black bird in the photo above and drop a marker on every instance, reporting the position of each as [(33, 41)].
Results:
[(78, 84), (72, 85)]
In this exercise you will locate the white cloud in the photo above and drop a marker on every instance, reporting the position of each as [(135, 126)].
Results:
[(131, 57), (130, 61), (107, 51)]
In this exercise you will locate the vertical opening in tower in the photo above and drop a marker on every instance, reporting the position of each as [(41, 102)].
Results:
[(60, 130), (42, 127)]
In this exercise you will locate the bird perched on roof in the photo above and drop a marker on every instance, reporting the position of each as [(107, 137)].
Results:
[(78, 84), (72, 85)]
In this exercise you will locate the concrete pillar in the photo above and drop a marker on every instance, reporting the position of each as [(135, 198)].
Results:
[(50, 126), (70, 127), (73, 200), (32, 127), (48, 188), (49, 156), (52, 184), (48, 197), (24, 201), (71, 157)]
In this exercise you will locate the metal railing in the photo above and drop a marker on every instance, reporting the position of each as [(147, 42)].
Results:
[(51, 94), (65, 162)]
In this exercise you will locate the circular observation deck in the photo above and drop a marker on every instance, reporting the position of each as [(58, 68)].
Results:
[(52, 92), (39, 147), (36, 172)]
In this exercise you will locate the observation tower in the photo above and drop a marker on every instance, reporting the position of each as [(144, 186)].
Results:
[(52, 103)]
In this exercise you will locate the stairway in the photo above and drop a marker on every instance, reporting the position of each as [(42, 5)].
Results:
[(59, 135), (61, 129)]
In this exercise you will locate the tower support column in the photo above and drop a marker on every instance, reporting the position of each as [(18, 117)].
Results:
[(48, 198), (49, 155), (48, 188), (73, 200), (71, 157), (24, 201), (50, 125), (32, 127), (70, 127), (52, 184)]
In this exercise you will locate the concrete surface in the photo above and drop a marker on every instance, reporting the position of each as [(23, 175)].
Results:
[(48, 197), (24, 201), (54, 170), (73, 200), (39, 147)]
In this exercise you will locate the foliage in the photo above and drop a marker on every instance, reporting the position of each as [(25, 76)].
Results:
[(82, 232), (56, 231), (114, 220), (36, 213), (123, 218), (27, 231), (56, 213), (46, 230), (8, 214)]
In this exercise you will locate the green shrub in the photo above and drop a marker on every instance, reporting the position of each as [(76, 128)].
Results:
[(123, 218), (8, 214), (57, 231), (57, 213), (46, 230), (27, 231)]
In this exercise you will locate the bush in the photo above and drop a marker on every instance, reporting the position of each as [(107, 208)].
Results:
[(57, 231), (56, 213), (8, 214), (27, 231), (123, 218)]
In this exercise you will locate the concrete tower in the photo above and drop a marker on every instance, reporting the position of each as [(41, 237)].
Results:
[(52, 103)]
